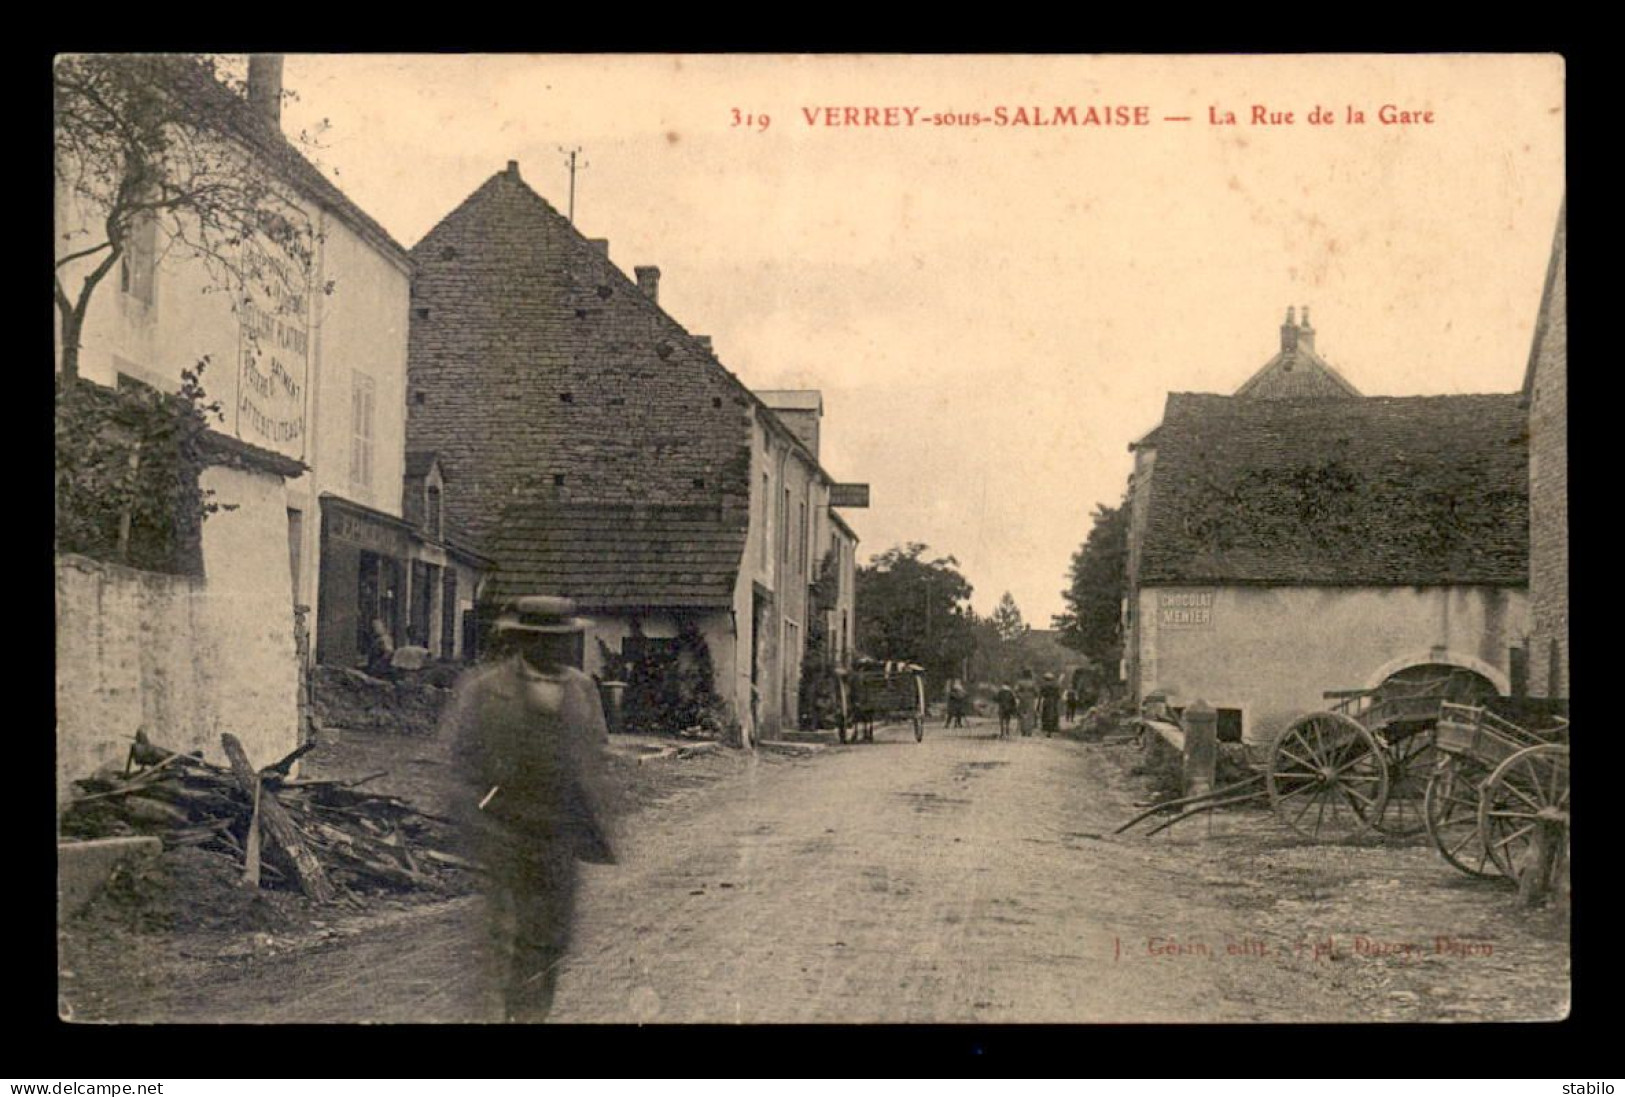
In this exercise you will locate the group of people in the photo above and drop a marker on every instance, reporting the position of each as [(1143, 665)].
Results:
[(1030, 703)]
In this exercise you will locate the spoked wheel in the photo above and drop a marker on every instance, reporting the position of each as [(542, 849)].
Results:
[(1451, 807), (1411, 762), (1527, 789), (919, 728), (1327, 778)]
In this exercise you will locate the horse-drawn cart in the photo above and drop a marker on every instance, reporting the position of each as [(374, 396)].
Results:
[(1497, 784), (1362, 765), (882, 691)]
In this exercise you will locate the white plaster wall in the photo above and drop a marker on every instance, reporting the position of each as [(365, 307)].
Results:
[(1273, 651), (362, 325), (182, 657)]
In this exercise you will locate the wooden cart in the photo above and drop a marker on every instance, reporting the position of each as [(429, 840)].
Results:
[(1497, 783), (1362, 765), (880, 691)]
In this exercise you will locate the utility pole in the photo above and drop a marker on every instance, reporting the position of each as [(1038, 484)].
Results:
[(574, 167)]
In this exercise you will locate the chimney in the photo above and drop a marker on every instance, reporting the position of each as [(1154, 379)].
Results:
[(649, 281), (513, 171), (601, 247), (1306, 334), (265, 86), (705, 341), (1289, 331)]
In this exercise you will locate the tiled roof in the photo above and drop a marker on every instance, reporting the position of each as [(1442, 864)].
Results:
[(1296, 373), (618, 556), (1370, 491), (221, 105)]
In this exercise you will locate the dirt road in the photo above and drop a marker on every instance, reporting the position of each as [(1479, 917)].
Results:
[(962, 879)]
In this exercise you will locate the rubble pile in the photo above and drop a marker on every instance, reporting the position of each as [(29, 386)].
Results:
[(330, 839), (409, 703)]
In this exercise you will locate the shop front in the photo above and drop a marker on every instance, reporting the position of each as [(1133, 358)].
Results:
[(364, 582)]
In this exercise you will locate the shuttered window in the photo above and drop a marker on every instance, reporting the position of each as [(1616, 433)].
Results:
[(362, 398)]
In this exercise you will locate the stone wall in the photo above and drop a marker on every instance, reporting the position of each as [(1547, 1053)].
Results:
[(540, 372), (1549, 488)]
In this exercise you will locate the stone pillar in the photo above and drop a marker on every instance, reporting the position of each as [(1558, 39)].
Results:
[(1201, 747)]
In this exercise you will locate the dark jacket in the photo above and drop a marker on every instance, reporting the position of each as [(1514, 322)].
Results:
[(536, 740)]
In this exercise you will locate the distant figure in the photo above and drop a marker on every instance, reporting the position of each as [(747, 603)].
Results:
[(1026, 701), (1049, 705), (1071, 698), (1006, 699), (381, 649), (527, 735), (957, 703)]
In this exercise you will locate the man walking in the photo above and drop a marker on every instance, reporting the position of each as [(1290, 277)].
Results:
[(1006, 699), (527, 735), (957, 703)]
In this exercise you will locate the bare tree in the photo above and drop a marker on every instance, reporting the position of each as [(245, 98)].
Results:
[(161, 149)]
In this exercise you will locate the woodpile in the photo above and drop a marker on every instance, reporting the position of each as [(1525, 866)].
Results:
[(326, 838)]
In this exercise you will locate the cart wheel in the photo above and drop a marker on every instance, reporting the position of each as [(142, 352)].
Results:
[(1451, 805), (1411, 762), (1527, 788), (1326, 777), (919, 728)]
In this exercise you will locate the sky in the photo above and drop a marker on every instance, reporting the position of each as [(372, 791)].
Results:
[(994, 312)]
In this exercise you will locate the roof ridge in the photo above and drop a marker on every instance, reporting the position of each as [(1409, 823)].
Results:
[(584, 243)]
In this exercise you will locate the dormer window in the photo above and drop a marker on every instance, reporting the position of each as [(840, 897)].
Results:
[(431, 513)]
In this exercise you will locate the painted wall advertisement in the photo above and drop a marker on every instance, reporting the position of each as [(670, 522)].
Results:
[(275, 366), (1185, 609)]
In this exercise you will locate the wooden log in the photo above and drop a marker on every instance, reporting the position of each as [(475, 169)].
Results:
[(313, 880)]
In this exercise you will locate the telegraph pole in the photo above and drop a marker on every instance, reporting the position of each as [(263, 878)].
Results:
[(573, 169)]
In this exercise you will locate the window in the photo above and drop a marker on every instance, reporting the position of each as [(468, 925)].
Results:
[(801, 542), (420, 607), (767, 506), (432, 513), (362, 397), (784, 528), (448, 615), (138, 267)]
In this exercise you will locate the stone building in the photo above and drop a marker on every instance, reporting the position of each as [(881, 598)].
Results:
[(1287, 545), (594, 448), (1545, 392)]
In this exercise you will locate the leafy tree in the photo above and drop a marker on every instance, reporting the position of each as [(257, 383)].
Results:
[(913, 608), (1092, 622), (1006, 618), (161, 151), (690, 686), (127, 468)]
